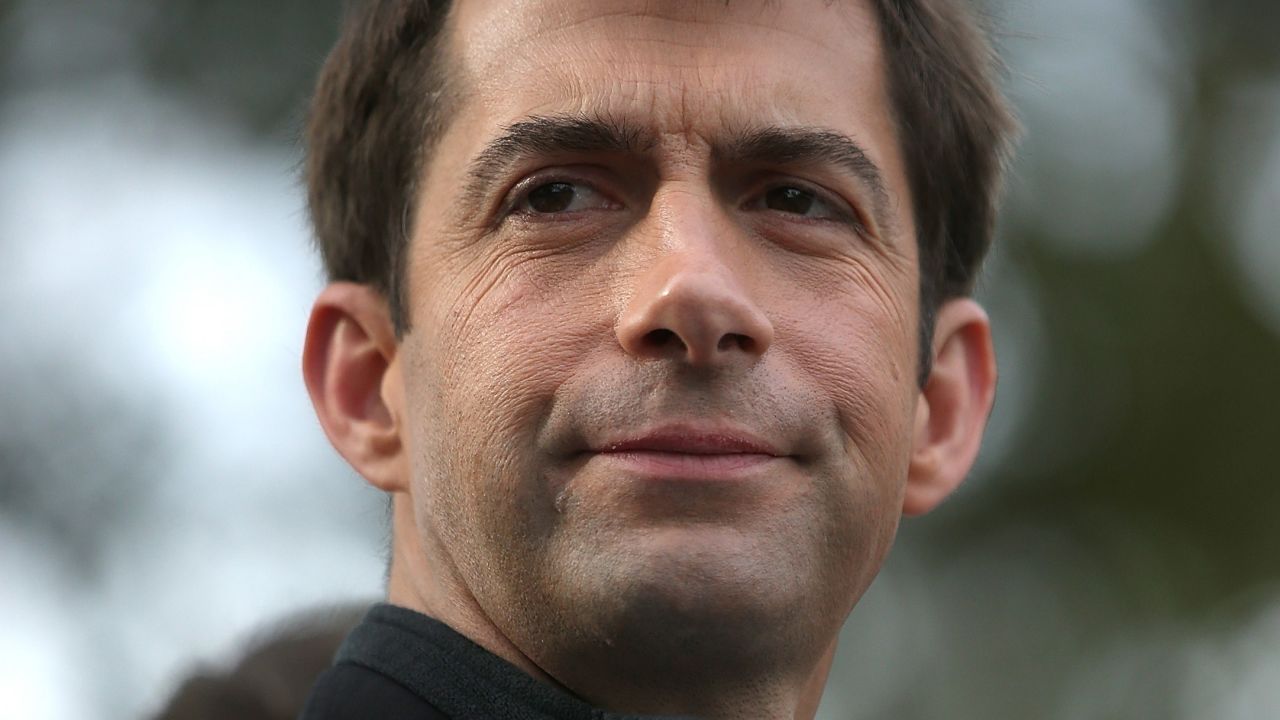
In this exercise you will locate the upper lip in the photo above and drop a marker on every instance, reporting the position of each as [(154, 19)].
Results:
[(691, 440)]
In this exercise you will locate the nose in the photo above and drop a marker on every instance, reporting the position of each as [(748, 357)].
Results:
[(691, 306)]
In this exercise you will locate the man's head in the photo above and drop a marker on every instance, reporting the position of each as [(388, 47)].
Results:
[(652, 315)]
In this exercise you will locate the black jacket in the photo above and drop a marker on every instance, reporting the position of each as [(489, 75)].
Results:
[(399, 664)]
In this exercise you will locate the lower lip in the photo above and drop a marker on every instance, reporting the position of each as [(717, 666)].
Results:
[(688, 466)]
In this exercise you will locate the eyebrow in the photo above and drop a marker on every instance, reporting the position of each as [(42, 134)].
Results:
[(542, 135), (774, 145)]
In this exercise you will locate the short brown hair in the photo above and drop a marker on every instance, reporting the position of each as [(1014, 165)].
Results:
[(380, 101), (956, 131), (377, 109)]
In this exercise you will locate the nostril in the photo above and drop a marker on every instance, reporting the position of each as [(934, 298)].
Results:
[(662, 337), (742, 341)]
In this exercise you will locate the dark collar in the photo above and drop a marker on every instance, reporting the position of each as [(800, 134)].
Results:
[(457, 676)]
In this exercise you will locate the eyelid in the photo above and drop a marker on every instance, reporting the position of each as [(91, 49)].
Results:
[(519, 192), (842, 209)]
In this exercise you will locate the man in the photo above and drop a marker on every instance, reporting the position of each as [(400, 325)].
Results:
[(273, 676), (652, 319)]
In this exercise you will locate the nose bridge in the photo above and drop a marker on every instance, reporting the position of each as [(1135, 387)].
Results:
[(695, 299)]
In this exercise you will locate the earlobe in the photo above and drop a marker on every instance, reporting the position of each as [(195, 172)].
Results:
[(952, 410), (350, 366)]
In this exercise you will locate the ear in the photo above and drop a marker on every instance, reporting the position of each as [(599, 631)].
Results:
[(952, 409), (349, 362)]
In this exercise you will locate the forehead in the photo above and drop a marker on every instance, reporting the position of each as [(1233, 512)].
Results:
[(680, 66)]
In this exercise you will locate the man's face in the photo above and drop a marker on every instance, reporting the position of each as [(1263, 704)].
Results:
[(660, 381)]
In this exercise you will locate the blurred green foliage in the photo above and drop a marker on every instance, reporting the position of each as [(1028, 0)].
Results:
[(1151, 435)]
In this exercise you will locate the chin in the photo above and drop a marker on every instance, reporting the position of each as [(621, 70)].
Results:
[(706, 599)]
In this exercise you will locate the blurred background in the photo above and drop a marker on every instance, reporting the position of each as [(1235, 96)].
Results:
[(165, 492)]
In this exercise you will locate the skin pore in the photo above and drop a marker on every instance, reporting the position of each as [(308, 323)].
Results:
[(657, 417)]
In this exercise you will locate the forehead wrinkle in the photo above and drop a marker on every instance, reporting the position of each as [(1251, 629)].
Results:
[(615, 80), (737, 13), (679, 24), (690, 38)]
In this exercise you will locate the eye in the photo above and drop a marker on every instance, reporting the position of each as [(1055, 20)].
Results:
[(797, 201), (557, 197)]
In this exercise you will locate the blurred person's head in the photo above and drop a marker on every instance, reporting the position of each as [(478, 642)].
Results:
[(653, 318), (272, 678)]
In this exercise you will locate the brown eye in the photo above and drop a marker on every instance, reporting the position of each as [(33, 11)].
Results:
[(560, 196), (552, 198), (789, 200), (801, 202)]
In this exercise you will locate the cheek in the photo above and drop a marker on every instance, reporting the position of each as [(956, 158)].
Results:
[(857, 343), (497, 340), (858, 363)]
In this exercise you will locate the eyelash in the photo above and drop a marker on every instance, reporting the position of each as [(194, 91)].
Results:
[(519, 194), (843, 213)]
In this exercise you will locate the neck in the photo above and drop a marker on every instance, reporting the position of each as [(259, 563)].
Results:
[(702, 697), (423, 586), (699, 674)]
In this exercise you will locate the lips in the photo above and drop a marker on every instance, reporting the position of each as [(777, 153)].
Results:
[(682, 452), (690, 441)]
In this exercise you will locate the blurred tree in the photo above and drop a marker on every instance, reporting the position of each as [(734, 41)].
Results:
[(1160, 353), (254, 60), (1149, 444)]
